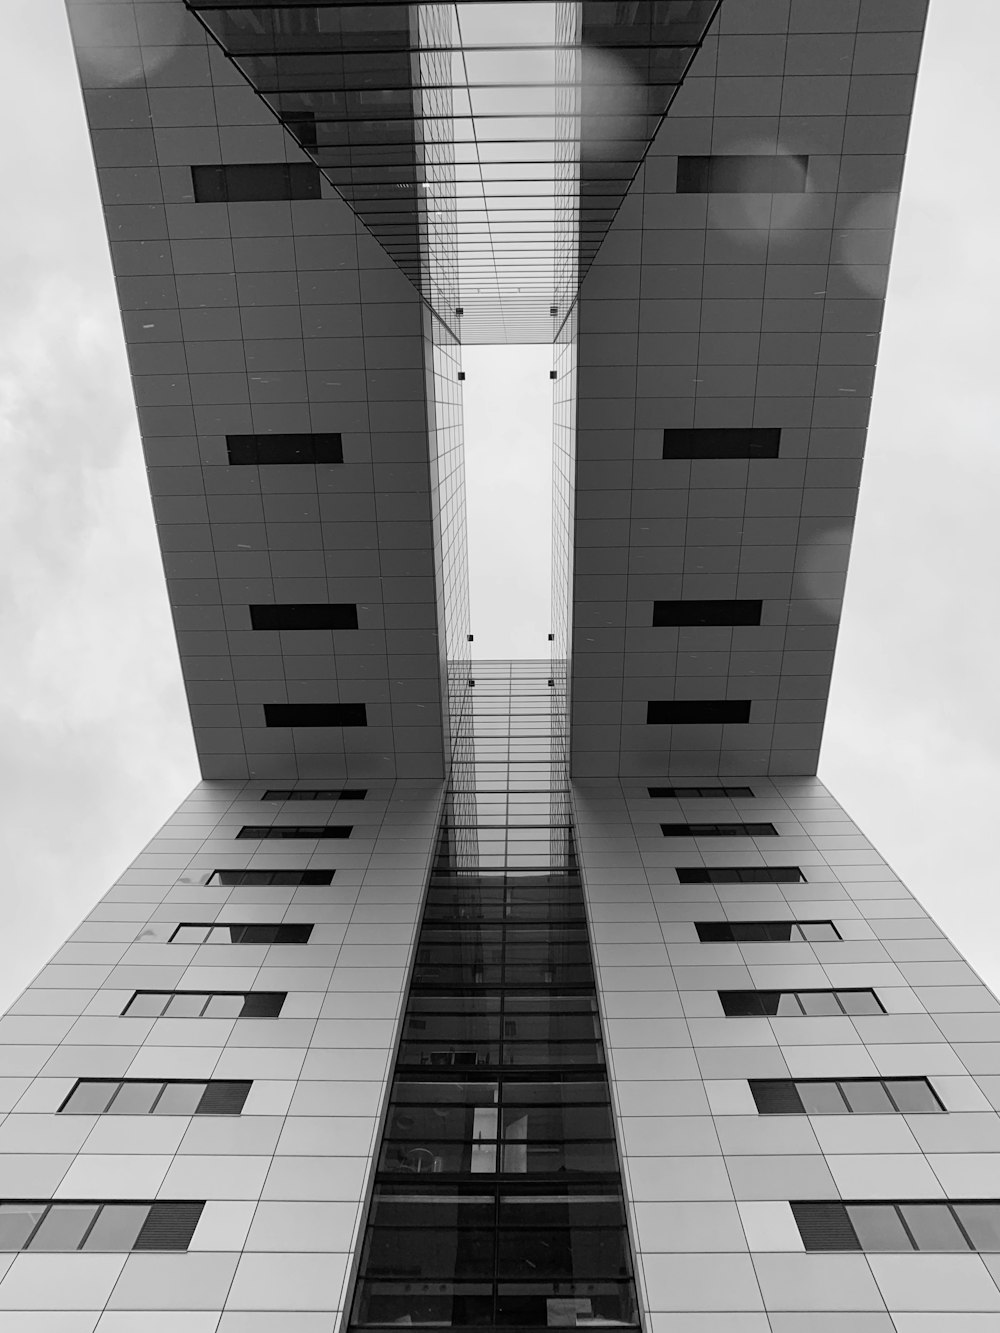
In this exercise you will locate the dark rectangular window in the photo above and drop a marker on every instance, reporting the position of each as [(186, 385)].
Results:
[(716, 932), (315, 794), (281, 831), (690, 793), (305, 615), (300, 447), (255, 933), (205, 1004), (251, 182), (726, 830), (795, 1003), (743, 173), (878, 1226), (740, 875), (722, 442), (681, 712), (711, 611), (113, 1226), (315, 715), (856, 1096), (288, 877), (111, 1096)]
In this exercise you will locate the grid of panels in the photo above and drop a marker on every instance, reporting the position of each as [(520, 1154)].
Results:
[(505, 134), (498, 1189)]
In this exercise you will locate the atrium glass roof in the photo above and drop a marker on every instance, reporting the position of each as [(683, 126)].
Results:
[(487, 146)]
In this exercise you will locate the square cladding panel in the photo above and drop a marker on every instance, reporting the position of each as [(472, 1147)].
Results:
[(728, 330), (281, 365)]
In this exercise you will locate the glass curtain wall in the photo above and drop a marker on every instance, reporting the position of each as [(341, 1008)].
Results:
[(497, 1198)]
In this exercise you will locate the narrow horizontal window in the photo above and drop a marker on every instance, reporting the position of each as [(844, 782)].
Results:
[(315, 715), (852, 1096), (715, 932), (237, 878), (285, 831), (305, 615), (740, 875), (743, 173), (882, 1227), (711, 611), (722, 442), (315, 794), (250, 182), (795, 1004), (129, 1096), (265, 450), (205, 1004), (691, 793), (114, 1226), (254, 933), (683, 712), (726, 830)]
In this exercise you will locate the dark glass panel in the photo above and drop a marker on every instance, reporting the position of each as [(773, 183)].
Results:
[(821, 1098), (576, 1304), (64, 1227), (878, 1227), (180, 1099), (866, 1096), (933, 1227), (912, 1095), (440, 1304), (89, 1097), (582, 1254), (982, 1223), (135, 1098), (860, 1002), (442, 1208), (819, 1003), (777, 1096), (419, 1254), (17, 1221), (117, 1227)]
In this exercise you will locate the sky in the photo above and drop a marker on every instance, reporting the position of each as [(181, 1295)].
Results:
[(95, 747)]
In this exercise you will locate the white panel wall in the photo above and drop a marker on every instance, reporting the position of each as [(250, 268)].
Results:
[(709, 1179), (285, 1180)]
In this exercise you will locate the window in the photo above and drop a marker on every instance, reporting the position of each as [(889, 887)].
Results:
[(722, 442), (262, 450), (718, 932), (205, 1004), (795, 1003), (739, 173), (110, 1096), (315, 794), (117, 1226), (255, 933), (304, 615), (690, 793), (287, 877), (279, 831), (254, 181), (711, 611), (882, 1227), (719, 830), (315, 715), (854, 1096), (740, 875), (681, 712)]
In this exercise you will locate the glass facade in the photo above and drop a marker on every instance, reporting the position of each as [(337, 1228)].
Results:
[(500, 1100), (487, 147)]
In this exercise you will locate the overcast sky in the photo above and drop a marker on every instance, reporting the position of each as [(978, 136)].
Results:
[(95, 747)]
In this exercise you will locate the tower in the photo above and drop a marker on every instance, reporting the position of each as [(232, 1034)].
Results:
[(677, 1022)]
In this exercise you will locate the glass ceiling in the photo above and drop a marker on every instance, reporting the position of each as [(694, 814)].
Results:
[(487, 146)]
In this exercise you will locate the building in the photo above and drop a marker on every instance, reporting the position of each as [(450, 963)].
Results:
[(585, 946)]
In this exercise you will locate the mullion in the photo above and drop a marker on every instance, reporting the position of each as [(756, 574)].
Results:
[(93, 1223)]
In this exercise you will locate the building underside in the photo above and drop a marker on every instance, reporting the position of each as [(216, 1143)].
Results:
[(583, 944)]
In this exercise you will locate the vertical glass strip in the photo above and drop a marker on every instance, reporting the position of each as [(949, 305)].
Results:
[(497, 1198)]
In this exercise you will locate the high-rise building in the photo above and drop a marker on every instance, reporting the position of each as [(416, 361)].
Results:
[(485, 994)]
